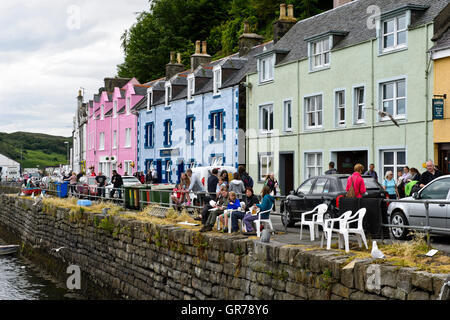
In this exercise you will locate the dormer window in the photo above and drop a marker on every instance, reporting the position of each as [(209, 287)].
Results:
[(102, 112), (320, 53), (394, 33), (128, 105), (191, 86), (149, 100), (217, 82), (115, 109), (168, 87), (266, 68)]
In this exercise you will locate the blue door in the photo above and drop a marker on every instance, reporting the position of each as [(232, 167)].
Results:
[(159, 170), (180, 171)]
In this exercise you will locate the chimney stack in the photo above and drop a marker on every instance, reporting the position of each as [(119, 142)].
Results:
[(200, 57), (338, 3), (174, 66), (248, 40), (285, 23)]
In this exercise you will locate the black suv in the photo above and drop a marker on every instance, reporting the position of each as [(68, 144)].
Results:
[(323, 189)]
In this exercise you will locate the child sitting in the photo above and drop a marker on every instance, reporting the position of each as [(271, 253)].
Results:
[(233, 204), (177, 196)]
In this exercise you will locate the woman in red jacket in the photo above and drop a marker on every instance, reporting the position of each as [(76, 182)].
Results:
[(357, 181)]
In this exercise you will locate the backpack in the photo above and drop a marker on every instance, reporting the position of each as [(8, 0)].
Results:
[(248, 181), (351, 192)]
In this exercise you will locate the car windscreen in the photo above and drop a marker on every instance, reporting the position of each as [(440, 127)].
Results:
[(370, 183)]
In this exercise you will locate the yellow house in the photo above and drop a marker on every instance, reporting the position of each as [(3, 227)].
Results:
[(440, 54)]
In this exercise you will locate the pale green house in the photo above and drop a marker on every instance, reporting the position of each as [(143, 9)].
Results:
[(315, 95)]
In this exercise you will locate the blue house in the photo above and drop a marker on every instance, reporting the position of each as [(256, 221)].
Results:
[(196, 117)]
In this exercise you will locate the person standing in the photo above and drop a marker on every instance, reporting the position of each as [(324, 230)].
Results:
[(245, 177), (236, 185), (142, 177), (213, 180), (331, 169), (72, 183), (117, 184), (271, 183), (429, 175), (154, 176), (371, 172), (390, 186), (148, 177), (101, 181), (356, 182), (196, 184)]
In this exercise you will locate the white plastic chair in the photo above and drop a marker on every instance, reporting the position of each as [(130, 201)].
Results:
[(358, 231), (259, 221), (328, 227), (242, 226), (218, 220), (344, 228), (320, 209)]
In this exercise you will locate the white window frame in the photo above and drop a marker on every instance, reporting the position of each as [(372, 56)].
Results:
[(395, 98), (217, 131), (268, 160), (101, 141), (191, 130), (168, 93), (270, 124), (287, 104), (340, 106), (395, 165), (266, 68), (128, 105), (395, 32), (149, 99), (316, 166), (127, 167), (314, 112), (127, 138), (115, 109), (167, 128), (102, 112), (357, 104), (191, 86), (217, 79), (115, 139), (317, 50)]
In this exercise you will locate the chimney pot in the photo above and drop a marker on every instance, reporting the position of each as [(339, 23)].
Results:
[(197, 47), (282, 11), (246, 27), (172, 56), (178, 58), (204, 45), (290, 11)]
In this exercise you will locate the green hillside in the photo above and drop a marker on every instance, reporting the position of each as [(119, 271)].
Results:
[(33, 149)]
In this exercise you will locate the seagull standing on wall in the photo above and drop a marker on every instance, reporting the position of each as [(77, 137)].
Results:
[(376, 253)]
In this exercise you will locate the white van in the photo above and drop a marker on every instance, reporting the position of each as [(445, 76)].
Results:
[(205, 172)]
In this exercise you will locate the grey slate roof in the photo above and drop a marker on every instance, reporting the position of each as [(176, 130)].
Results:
[(351, 18), (443, 42)]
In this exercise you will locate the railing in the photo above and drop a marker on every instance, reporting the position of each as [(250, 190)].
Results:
[(428, 229)]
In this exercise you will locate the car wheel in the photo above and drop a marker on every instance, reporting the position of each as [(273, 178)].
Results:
[(286, 219), (398, 218)]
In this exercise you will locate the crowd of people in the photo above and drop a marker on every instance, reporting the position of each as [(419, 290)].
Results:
[(407, 182)]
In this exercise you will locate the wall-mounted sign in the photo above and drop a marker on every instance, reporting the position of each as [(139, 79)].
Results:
[(438, 109), (175, 152)]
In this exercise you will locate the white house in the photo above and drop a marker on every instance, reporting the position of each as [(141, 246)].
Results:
[(9, 169)]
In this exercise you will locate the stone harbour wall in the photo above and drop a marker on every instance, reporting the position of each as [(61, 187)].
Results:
[(130, 259)]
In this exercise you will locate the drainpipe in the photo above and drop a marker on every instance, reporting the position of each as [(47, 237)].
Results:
[(372, 125), (247, 107), (428, 64), (203, 129), (299, 161)]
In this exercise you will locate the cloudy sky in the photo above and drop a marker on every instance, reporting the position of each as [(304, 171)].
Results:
[(51, 48)]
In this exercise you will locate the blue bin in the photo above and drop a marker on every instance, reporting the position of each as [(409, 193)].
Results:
[(61, 189)]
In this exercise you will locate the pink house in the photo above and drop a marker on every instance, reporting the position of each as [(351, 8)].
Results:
[(112, 127)]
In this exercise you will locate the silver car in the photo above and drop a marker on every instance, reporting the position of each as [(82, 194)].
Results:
[(410, 213)]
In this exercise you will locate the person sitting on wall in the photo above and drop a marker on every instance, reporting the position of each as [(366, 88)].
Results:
[(177, 196)]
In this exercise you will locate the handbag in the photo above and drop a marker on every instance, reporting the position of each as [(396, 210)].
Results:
[(351, 191)]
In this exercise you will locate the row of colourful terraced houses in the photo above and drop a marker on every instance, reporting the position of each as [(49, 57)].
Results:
[(314, 94)]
